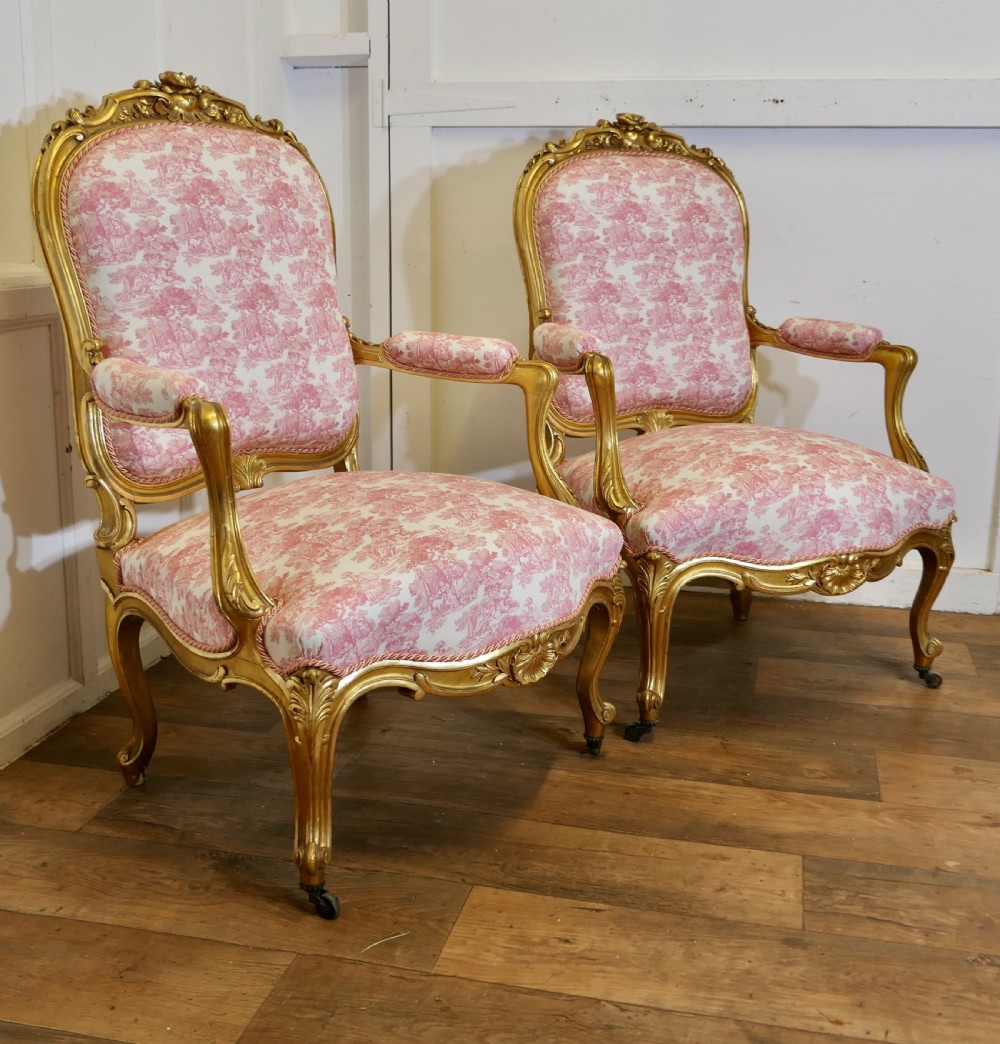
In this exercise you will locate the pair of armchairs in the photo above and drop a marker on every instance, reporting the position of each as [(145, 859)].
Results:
[(191, 250)]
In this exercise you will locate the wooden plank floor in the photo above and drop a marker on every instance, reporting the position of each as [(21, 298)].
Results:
[(808, 850)]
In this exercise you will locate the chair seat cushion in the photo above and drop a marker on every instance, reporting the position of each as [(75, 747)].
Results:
[(372, 566), (765, 495)]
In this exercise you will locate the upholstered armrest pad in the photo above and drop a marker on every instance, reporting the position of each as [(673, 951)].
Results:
[(481, 358), (134, 390), (563, 345), (826, 337)]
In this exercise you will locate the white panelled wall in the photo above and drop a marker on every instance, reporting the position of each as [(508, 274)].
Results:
[(863, 132)]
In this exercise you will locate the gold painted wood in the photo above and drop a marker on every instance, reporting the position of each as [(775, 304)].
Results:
[(752, 835), (656, 579), (311, 703), (897, 360)]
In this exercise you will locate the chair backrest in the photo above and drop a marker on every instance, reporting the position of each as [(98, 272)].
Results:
[(627, 232), (184, 234)]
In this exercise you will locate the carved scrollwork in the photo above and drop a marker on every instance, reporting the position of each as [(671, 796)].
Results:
[(93, 349), (655, 420), (554, 444), (311, 857), (526, 663), (238, 592), (836, 576), (118, 520), (652, 573), (248, 472), (175, 97), (311, 695), (181, 99)]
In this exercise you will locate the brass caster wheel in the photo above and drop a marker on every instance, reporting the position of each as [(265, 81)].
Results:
[(594, 745), (931, 678), (638, 729), (327, 905)]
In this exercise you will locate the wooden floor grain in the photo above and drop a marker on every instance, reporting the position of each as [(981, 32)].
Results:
[(808, 850)]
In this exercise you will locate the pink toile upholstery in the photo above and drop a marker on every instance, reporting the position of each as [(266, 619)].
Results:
[(766, 495), (393, 569), (439, 354), (614, 233), (191, 241), (826, 337), (633, 246), (563, 346), (191, 249), (133, 390)]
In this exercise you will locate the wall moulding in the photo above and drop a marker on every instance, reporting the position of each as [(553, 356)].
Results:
[(697, 102)]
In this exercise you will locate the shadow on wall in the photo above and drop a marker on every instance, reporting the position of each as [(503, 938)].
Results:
[(476, 287), (43, 542)]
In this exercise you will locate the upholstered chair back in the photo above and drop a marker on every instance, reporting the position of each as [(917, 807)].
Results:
[(647, 252), (209, 250)]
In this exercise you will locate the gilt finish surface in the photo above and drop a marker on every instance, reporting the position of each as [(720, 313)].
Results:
[(312, 702), (656, 579), (813, 858)]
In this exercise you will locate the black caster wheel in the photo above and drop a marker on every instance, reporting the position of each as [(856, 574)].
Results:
[(931, 678), (594, 745), (638, 729), (327, 905)]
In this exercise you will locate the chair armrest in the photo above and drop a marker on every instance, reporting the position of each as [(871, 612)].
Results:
[(238, 593), (851, 342), (492, 361), (562, 345), (829, 338), (147, 393), (449, 355)]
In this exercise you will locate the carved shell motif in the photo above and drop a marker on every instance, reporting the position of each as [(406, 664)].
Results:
[(531, 663), (836, 576), (527, 663), (248, 472)]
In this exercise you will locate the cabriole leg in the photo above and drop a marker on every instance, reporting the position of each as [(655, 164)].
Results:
[(741, 599), (603, 622), (123, 645), (313, 709), (655, 595), (937, 562)]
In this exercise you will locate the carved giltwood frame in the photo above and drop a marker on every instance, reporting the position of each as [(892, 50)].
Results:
[(656, 579), (312, 702)]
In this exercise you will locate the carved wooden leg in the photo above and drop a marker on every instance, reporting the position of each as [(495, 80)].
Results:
[(123, 645), (741, 599), (313, 709), (603, 622), (655, 596), (937, 560)]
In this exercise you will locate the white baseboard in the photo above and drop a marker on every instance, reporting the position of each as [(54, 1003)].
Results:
[(30, 723), (966, 591)]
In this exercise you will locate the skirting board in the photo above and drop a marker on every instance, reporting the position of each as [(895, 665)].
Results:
[(30, 723)]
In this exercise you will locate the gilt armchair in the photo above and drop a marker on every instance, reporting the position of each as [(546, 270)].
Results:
[(191, 250), (633, 247)]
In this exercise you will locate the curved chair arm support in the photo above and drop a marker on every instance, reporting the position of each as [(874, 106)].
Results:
[(239, 595), (131, 391), (610, 489), (897, 360), (537, 380)]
